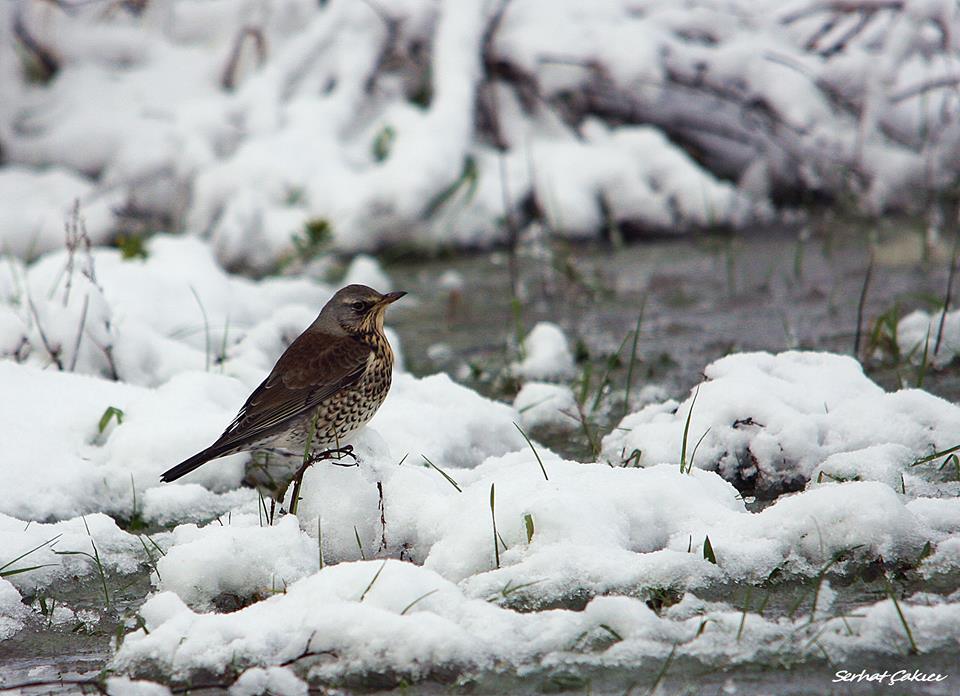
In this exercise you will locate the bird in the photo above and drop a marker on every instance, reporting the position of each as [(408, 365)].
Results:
[(324, 387)]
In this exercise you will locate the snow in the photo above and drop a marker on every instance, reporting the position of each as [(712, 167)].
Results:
[(243, 123), (543, 405), (365, 270), (767, 422), (241, 558), (61, 548), (13, 614), (445, 421), (596, 529), (546, 354), (274, 680), (37, 202), (917, 335), (406, 620), (612, 533), (135, 687)]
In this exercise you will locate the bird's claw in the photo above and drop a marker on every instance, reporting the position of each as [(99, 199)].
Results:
[(335, 456)]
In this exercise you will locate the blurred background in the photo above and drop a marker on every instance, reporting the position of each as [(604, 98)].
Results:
[(666, 181)]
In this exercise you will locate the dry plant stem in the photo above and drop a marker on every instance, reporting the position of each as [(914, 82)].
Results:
[(383, 519), (54, 353), (337, 454), (44, 56), (229, 79), (83, 322)]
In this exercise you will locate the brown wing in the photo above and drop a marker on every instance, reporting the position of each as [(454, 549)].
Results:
[(315, 367)]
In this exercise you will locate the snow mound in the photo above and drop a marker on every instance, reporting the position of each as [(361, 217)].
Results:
[(917, 337), (542, 405), (65, 549), (581, 530), (96, 312), (241, 559), (37, 202), (387, 617), (546, 354), (766, 422)]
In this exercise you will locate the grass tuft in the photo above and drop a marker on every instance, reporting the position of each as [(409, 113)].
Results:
[(663, 671), (320, 542), (861, 304)]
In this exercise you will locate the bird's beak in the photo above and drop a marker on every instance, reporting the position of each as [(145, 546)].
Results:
[(391, 297)]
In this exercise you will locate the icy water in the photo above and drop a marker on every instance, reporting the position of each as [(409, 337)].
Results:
[(701, 298)]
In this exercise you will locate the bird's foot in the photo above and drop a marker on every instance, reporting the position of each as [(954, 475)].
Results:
[(335, 456)]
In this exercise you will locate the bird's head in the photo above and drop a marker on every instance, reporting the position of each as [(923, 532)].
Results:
[(358, 309)]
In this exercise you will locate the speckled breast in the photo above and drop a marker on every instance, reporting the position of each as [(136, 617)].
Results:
[(344, 414)]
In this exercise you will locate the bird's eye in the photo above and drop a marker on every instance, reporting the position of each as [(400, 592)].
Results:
[(359, 306)]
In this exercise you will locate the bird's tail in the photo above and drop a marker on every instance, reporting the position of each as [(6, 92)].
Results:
[(188, 465)]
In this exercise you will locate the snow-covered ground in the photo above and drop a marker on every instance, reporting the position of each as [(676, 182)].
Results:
[(423, 122), (393, 567)]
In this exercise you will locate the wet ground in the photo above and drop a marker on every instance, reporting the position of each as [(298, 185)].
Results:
[(700, 298)]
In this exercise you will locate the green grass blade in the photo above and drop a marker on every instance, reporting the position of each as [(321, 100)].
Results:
[(373, 580), (444, 474), (684, 469), (49, 541), (17, 571), (903, 619), (708, 553), (935, 455), (535, 453), (417, 601), (633, 358)]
